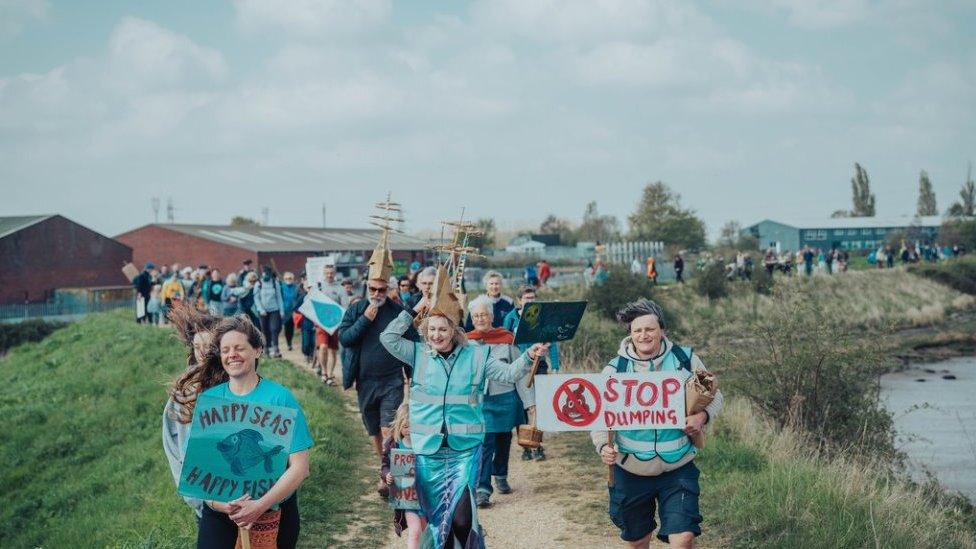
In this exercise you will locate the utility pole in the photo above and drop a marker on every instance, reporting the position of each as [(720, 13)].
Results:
[(264, 216), (155, 206), (170, 212), (323, 216)]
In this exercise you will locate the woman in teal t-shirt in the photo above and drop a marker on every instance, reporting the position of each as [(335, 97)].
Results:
[(230, 371)]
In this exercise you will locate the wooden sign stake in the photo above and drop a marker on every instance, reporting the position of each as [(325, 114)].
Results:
[(535, 366), (610, 467), (245, 535)]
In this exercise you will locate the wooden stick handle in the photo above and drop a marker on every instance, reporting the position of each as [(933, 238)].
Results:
[(245, 538), (610, 467), (535, 366)]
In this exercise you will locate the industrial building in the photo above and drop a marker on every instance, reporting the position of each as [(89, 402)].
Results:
[(40, 254), (285, 248), (847, 233)]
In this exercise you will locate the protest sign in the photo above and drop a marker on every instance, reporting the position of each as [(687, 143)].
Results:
[(618, 402), (314, 267), (130, 271), (403, 491), (322, 310), (549, 321), (235, 448)]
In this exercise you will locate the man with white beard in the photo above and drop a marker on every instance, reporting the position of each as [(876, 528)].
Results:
[(378, 375)]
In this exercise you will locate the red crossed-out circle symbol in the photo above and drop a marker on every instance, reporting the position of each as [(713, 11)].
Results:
[(576, 402)]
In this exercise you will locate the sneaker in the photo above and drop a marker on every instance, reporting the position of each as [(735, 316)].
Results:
[(483, 500), (539, 454), (502, 484), (526, 454)]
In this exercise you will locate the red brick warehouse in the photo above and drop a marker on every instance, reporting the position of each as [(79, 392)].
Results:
[(42, 253), (286, 248)]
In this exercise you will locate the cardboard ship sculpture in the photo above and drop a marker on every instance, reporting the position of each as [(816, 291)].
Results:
[(381, 262), (447, 297)]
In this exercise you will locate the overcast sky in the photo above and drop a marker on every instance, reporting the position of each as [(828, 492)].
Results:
[(513, 108)]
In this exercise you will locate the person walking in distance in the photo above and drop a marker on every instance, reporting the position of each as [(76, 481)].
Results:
[(326, 344)]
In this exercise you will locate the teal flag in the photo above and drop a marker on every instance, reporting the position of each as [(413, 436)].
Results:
[(235, 448)]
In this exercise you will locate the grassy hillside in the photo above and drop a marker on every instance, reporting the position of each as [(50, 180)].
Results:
[(82, 446)]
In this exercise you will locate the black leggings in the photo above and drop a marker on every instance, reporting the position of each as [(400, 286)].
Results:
[(289, 327), (461, 521), (217, 531)]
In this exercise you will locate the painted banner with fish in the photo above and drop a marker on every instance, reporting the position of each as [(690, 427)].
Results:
[(603, 402), (235, 448)]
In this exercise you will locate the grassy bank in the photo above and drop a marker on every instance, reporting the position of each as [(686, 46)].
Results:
[(82, 445), (765, 488), (765, 485)]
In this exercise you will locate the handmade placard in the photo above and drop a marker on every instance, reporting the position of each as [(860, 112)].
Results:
[(549, 321), (235, 448), (403, 491), (618, 402)]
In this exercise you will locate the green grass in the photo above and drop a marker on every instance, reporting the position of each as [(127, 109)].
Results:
[(765, 488), (82, 451)]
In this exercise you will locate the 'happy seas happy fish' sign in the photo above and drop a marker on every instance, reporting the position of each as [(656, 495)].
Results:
[(235, 448)]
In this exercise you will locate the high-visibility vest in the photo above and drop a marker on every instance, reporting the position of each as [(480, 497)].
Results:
[(447, 400), (670, 445)]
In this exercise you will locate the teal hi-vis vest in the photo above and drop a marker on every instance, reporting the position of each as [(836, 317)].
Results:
[(671, 445), (446, 399)]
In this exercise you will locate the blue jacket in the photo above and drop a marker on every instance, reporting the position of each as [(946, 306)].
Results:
[(511, 323), (289, 295)]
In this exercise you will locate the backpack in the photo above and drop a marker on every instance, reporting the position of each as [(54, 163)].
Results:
[(679, 353)]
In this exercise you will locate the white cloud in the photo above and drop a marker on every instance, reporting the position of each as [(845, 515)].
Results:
[(321, 18), (812, 14), (145, 55), (586, 21), (15, 14)]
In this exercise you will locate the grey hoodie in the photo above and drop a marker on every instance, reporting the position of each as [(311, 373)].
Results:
[(657, 465), (174, 446)]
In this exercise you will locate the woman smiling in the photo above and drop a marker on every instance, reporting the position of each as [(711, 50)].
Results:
[(230, 371)]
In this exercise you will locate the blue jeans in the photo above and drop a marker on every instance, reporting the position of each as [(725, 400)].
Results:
[(494, 458)]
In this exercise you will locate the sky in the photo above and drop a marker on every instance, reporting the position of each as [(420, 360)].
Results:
[(512, 109)]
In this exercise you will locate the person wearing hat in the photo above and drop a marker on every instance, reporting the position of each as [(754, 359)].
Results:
[(246, 269), (447, 420), (143, 283), (377, 374)]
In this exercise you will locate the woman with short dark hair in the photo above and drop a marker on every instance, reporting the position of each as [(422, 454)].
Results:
[(654, 467)]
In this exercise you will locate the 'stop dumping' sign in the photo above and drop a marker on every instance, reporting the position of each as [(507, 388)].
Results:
[(549, 321), (604, 402), (235, 448)]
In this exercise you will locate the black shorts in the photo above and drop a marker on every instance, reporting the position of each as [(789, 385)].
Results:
[(378, 401), (675, 493)]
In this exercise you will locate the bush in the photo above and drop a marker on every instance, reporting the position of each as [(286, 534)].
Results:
[(711, 283), (959, 274), (620, 287), (12, 335), (762, 281), (808, 372)]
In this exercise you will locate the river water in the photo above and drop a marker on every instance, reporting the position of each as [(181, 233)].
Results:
[(936, 420)]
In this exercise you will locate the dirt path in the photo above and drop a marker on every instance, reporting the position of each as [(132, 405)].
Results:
[(556, 503)]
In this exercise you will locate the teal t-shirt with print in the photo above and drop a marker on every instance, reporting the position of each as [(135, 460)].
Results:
[(269, 392)]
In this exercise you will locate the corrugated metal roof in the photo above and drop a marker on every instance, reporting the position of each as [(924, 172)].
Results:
[(12, 224), (858, 222), (258, 238)]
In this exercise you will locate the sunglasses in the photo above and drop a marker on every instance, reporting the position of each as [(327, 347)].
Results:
[(375, 290)]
